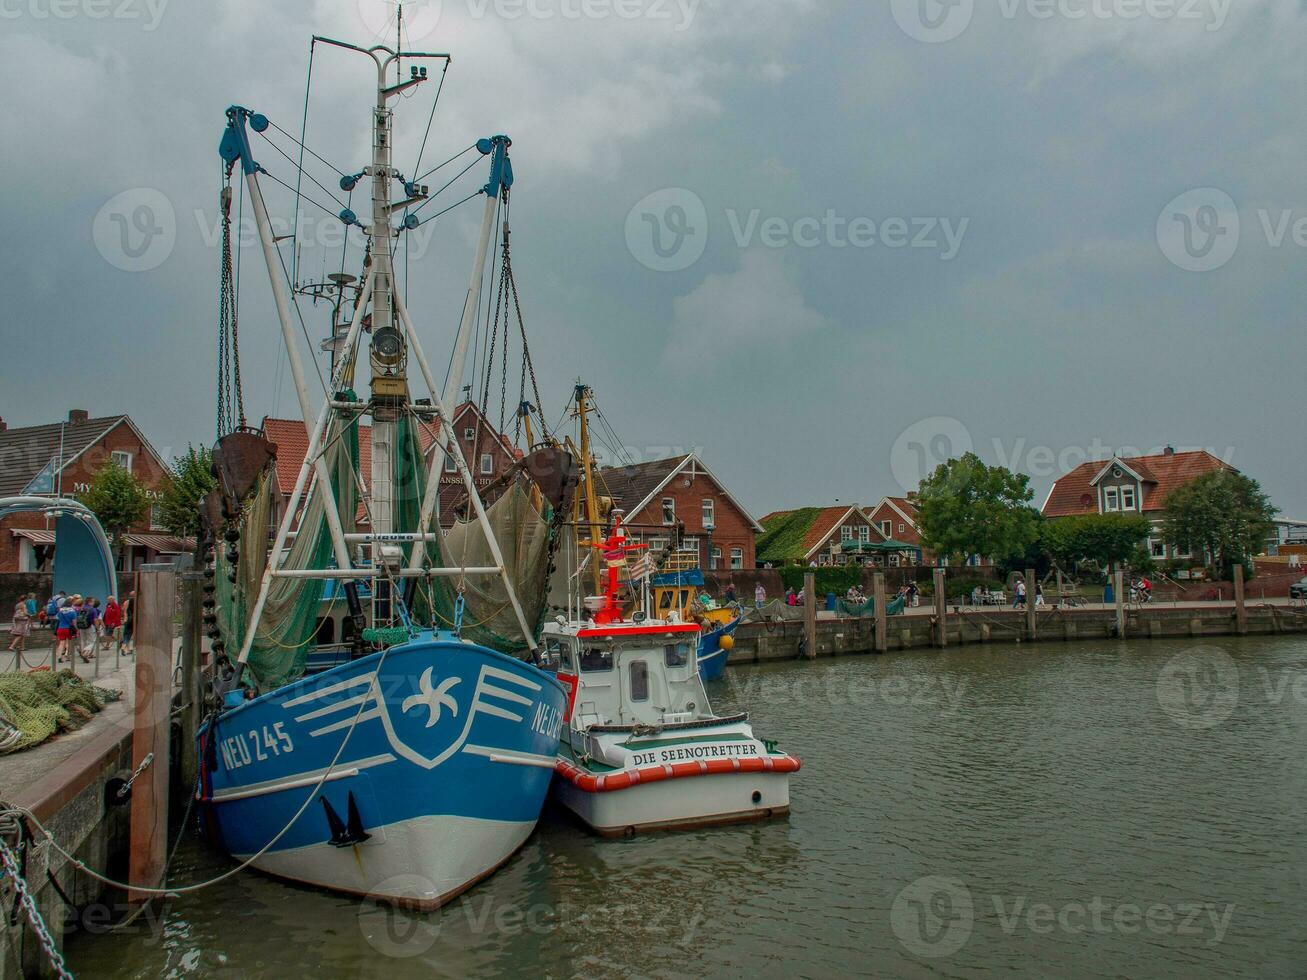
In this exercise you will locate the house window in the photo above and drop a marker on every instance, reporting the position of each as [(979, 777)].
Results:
[(121, 459), (156, 516), (469, 434), (1128, 498), (737, 558), (708, 508), (887, 528), (669, 511), (902, 527), (1178, 552), (690, 544), (487, 464), (657, 544), (846, 533), (864, 534), (450, 465), (1156, 548), (1111, 499), (715, 559)]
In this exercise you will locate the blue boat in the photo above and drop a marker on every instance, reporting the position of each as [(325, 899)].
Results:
[(713, 654), (674, 593), (407, 776)]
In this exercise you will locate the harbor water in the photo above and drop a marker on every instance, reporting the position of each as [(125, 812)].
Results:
[(1093, 809)]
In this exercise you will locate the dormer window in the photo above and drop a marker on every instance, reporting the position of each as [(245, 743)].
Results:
[(1111, 499), (1128, 501)]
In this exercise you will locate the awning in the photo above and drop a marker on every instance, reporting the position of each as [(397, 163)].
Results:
[(162, 543), (34, 536), (889, 546)]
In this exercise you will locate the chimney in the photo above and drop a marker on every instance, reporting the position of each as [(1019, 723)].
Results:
[(1168, 451), (76, 415)]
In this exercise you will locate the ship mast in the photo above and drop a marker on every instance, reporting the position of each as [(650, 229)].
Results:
[(582, 411)]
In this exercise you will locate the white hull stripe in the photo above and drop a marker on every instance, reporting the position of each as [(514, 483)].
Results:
[(328, 691), (302, 780)]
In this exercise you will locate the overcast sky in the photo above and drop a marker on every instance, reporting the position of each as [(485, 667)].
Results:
[(824, 243)]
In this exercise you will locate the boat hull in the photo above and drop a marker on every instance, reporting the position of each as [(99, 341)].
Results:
[(712, 656), (406, 776)]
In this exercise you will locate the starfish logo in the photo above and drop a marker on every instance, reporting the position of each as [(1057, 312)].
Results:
[(432, 698)]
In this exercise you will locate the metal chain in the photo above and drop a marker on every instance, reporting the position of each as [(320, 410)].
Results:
[(33, 913), (126, 788), (231, 394)]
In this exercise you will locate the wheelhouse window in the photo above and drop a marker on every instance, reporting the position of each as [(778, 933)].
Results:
[(669, 511), (639, 681), (676, 654), (594, 660)]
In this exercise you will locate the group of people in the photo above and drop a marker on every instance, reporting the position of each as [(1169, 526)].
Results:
[(1019, 594), (80, 623)]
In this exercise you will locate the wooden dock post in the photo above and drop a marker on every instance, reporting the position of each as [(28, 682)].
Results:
[(1240, 609), (1061, 589), (882, 619), (941, 606), (1030, 604), (1118, 594), (810, 615), (191, 696), (156, 601)]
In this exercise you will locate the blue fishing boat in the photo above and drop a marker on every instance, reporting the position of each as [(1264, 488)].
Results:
[(407, 776), (367, 741)]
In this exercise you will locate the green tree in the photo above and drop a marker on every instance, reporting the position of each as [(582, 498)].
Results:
[(1103, 539), (118, 500), (968, 508), (191, 478), (1224, 516)]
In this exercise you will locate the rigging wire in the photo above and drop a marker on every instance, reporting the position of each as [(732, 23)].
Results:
[(306, 149), (304, 126), (301, 174), (418, 162)]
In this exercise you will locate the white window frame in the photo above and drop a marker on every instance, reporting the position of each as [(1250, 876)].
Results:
[(1157, 548), (1181, 555), (690, 543), (122, 459), (658, 544), (487, 464), (902, 527), (846, 533), (1133, 498), (737, 558), (709, 512), (450, 465), (714, 558), (864, 533), (1111, 500), (669, 511), (887, 528), (469, 434)]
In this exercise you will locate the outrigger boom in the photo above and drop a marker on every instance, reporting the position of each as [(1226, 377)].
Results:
[(390, 392)]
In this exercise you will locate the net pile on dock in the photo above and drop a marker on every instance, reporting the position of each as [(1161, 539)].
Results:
[(37, 704)]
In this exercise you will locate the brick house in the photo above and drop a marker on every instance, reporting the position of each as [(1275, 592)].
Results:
[(835, 535), (61, 459), (488, 453), (1131, 485), (896, 517), (679, 498)]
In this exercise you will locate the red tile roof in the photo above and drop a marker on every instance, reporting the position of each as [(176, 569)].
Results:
[(1074, 493)]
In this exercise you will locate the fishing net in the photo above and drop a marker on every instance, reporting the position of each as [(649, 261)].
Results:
[(37, 704), (290, 615), (868, 608)]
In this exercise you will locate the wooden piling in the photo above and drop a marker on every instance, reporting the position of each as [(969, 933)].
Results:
[(1030, 604), (156, 599), (810, 615), (882, 619), (1118, 594), (191, 696), (941, 607), (1240, 609)]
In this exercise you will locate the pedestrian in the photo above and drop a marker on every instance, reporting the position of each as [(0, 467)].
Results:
[(85, 622), (730, 592), (790, 598), (22, 625), (65, 631), (1039, 594), (1020, 600), (113, 621), (913, 597), (129, 624), (759, 596), (99, 626)]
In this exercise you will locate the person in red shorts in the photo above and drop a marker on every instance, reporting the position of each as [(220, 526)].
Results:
[(65, 629)]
